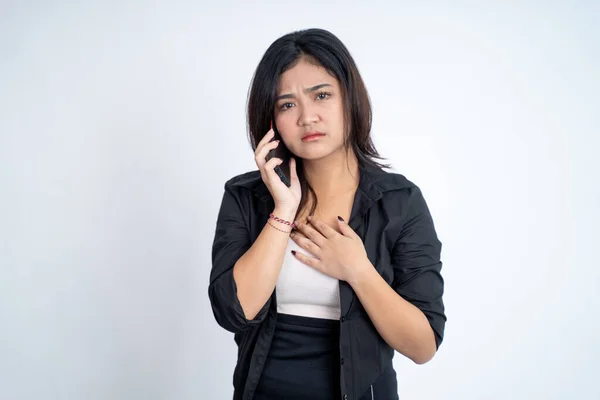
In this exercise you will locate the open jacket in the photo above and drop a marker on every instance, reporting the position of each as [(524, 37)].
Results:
[(391, 216)]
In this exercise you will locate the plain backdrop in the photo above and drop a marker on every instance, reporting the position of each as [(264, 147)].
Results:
[(121, 121)]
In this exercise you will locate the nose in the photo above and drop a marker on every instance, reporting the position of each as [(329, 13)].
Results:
[(308, 115)]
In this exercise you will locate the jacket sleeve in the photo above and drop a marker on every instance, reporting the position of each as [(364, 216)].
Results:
[(232, 239), (417, 265)]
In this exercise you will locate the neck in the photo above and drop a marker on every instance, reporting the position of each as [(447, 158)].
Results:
[(333, 175)]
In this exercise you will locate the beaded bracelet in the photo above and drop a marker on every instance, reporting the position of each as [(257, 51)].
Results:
[(280, 230), (283, 221)]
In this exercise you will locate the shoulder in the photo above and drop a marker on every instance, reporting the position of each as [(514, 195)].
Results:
[(389, 183), (248, 184), (397, 192), (250, 180), (393, 182)]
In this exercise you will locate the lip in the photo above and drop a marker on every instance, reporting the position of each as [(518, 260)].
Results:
[(310, 136)]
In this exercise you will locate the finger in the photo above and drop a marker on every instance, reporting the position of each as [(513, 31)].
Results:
[(310, 261), (270, 165), (311, 233), (346, 229), (293, 174), (268, 136), (298, 232), (322, 227), (267, 140), (269, 170), (306, 244), (261, 154)]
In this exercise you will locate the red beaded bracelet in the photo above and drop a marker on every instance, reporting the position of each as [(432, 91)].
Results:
[(280, 230), (283, 221)]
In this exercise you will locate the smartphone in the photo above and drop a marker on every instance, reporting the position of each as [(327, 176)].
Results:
[(282, 152)]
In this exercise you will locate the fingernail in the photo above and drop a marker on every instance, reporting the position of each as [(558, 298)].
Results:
[(271, 125), (294, 252), (340, 218)]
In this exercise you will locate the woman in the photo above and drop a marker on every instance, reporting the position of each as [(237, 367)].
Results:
[(321, 281)]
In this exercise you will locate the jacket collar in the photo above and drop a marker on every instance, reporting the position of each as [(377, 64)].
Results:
[(373, 182)]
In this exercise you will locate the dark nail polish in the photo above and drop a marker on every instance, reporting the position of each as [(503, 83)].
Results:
[(340, 218), (294, 252)]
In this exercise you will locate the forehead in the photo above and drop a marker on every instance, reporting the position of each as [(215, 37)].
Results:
[(304, 75)]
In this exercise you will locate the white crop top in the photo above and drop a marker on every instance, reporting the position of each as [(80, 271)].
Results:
[(302, 290)]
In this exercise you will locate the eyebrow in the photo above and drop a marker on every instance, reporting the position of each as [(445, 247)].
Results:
[(309, 90)]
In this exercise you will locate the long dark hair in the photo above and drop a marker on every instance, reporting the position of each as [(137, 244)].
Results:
[(322, 48)]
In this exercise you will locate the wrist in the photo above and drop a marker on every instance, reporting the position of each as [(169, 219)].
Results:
[(363, 273), (285, 213)]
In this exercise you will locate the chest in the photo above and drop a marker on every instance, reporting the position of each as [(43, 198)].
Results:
[(375, 221), (328, 210)]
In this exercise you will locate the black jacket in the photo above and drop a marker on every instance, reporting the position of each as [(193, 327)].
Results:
[(392, 218)]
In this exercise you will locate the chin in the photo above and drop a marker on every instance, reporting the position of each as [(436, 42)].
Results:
[(312, 154), (316, 154)]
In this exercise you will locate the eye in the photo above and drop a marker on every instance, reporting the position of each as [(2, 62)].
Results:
[(323, 95), (285, 106)]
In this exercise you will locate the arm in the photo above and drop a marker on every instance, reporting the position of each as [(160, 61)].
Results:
[(409, 314), (257, 271), (243, 275)]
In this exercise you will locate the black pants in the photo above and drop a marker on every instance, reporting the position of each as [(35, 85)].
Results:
[(304, 363)]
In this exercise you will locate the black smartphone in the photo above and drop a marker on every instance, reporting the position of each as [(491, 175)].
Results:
[(282, 152)]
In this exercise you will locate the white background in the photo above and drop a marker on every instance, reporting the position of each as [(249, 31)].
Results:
[(120, 123)]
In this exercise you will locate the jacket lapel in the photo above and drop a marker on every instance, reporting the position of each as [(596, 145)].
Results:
[(366, 194)]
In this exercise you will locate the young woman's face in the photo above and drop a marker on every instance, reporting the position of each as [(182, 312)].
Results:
[(309, 101)]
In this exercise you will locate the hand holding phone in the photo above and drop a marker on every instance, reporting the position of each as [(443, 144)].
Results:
[(288, 195), (283, 153)]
